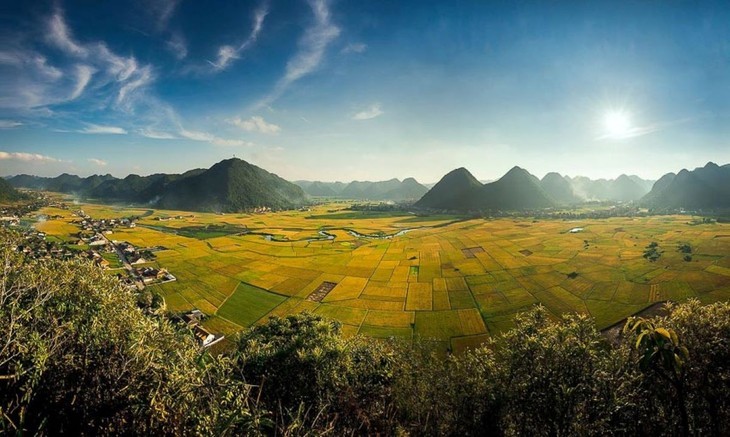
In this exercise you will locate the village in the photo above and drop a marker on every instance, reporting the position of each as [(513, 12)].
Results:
[(93, 243)]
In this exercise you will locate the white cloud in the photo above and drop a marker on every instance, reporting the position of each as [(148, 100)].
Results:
[(157, 135), (98, 129), (210, 138), (125, 73), (228, 53), (83, 76), (27, 157), (256, 124), (371, 112), (42, 66), (354, 47), (312, 47), (177, 45), (142, 79), (9, 124), (60, 36), (164, 9), (99, 162)]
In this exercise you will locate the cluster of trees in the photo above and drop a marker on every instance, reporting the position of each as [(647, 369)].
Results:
[(79, 356)]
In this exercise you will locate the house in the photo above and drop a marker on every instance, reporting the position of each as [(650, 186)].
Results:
[(204, 337), (193, 317)]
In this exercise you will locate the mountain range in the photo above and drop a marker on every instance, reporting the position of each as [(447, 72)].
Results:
[(235, 185), (392, 189), (228, 186), (705, 187), (518, 189)]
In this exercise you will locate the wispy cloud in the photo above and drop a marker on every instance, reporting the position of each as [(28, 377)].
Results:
[(177, 45), (156, 135), (354, 47), (312, 47), (164, 9), (125, 73), (210, 138), (60, 35), (83, 76), (256, 124), (99, 162), (371, 112), (99, 129), (27, 157), (228, 53), (9, 124)]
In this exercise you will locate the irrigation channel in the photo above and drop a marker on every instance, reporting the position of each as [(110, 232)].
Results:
[(321, 235)]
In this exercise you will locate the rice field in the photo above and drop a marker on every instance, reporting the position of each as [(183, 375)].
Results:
[(456, 282)]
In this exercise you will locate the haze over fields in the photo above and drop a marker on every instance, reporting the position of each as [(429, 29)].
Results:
[(326, 91)]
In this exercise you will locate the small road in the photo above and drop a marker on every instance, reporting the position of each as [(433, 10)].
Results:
[(123, 259)]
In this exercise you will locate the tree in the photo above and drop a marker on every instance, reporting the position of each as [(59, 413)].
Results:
[(661, 352)]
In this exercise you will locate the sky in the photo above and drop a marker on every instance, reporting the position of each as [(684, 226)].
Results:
[(364, 90)]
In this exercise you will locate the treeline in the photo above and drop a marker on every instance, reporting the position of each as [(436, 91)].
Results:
[(78, 356)]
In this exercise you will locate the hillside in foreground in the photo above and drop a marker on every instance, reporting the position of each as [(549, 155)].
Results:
[(81, 355)]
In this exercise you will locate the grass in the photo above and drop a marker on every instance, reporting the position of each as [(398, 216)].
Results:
[(248, 304)]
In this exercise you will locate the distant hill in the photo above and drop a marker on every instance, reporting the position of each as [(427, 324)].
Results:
[(518, 189), (231, 185), (705, 187), (457, 190), (623, 189), (392, 189), (321, 189), (8, 193), (559, 188), (460, 190), (64, 183), (228, 186)]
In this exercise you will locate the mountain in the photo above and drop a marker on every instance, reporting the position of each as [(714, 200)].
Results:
[(460, 190), (409, 189), (559, 188), (518, 189), (457, 190), (705, 187), (230, 185), (321, 189), (8, 193), (645, 184), (625, 189), (392, 189), (622, 189), (64, 183)]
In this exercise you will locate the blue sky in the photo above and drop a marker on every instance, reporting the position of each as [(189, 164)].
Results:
[(364, 90)]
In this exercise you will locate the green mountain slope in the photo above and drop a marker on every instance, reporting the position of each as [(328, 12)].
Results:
[(705, 187), (557, 187), (457, 190), (231, 185)]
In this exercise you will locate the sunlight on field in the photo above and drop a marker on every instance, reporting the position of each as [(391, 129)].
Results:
[(454, 281)]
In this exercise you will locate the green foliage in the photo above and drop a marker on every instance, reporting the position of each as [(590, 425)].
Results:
[(652, 252), (302, 360), (78, 357), (8, 193)]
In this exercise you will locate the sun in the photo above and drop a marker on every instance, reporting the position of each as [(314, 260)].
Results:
[(617, 124)]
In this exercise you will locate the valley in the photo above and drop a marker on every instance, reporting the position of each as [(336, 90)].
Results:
[(449, 279)]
